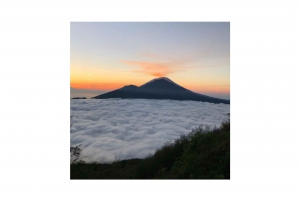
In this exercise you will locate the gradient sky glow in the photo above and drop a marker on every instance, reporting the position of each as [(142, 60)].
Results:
[(108, 55)]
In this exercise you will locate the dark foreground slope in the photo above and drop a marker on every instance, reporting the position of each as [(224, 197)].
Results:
[(202, 154), (162, 88)]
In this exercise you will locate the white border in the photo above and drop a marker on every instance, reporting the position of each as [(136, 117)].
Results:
[(34, 78)]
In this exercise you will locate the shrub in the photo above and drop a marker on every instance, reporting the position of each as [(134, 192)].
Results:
[(75, 154)]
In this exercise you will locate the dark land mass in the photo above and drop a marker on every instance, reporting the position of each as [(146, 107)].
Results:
[(160, 88), (79, 98)]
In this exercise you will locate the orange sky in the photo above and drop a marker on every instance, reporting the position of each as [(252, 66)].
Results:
[(90, 85)]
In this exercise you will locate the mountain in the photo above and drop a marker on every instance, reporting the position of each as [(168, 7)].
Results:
[(159, 88)]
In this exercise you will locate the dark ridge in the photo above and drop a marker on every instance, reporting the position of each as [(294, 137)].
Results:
[(79, 98)]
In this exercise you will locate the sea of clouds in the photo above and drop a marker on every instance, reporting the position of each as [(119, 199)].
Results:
[(110, 129)]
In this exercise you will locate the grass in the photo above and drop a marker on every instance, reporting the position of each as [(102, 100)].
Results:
[(202, 154)]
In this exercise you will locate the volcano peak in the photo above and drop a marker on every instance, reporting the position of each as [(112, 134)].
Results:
[(159, 78)]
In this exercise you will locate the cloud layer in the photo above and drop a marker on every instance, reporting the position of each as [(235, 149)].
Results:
[(126, 128)]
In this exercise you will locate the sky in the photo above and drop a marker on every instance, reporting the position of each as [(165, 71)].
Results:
[(109, 55)]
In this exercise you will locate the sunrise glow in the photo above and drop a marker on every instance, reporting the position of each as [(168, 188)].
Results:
[(108, 56)]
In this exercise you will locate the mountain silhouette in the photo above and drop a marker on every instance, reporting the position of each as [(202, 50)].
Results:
[(159, 88)]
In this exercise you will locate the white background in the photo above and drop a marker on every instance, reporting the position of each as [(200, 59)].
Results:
[(35, 104)]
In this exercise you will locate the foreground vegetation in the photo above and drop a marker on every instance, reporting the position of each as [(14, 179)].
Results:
[(202, 154)]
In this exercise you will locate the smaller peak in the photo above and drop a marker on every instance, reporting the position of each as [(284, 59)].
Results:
[(131, 85)]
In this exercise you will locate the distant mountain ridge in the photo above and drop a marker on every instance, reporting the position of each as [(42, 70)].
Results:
[(159, 88), (79, 98)]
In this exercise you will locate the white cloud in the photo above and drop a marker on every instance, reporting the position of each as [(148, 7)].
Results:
[(133, 128)]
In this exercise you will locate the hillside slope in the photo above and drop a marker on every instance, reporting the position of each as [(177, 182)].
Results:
[(202, 154)]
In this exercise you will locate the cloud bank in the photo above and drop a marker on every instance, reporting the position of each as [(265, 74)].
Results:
[(151, 68), (159, 69), (126, 128)]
